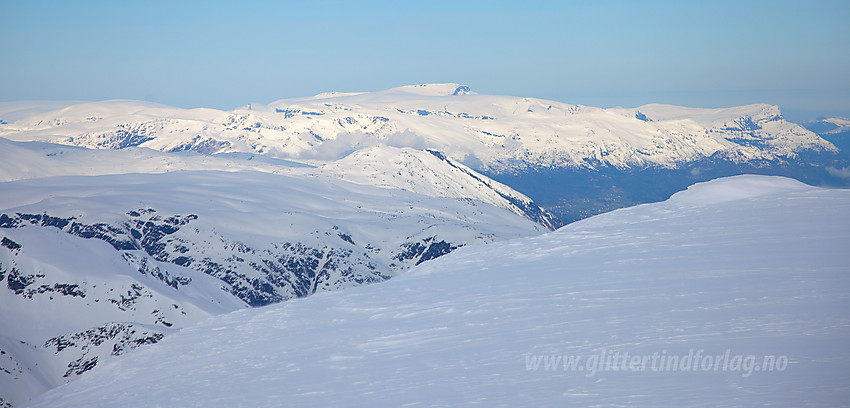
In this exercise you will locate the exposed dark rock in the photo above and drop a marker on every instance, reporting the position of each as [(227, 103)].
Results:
[(18, 283), (8, 222), (425, 250), (65, 289), (12, 245), (204, 145), (346, 238), (435, 250), (145, 268), (80, 366), (94, 336), (133, 294), (125, 336), (285, 270)]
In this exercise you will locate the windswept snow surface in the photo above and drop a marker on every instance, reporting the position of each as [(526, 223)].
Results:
[(743, 281)]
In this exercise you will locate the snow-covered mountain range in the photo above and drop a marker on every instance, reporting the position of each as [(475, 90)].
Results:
[(146, 219), (535, 146), (733, 293), (493, 133)]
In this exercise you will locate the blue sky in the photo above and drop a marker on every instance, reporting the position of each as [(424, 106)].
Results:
[(603, 53)]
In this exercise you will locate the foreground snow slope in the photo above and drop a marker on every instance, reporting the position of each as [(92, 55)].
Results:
[(750, 266)]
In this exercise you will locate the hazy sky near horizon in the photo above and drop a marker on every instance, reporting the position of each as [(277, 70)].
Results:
[(603, 53)]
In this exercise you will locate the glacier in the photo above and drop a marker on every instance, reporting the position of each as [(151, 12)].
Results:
[(748, 270)]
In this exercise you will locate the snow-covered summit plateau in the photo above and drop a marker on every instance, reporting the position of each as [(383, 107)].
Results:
[(732, 293)]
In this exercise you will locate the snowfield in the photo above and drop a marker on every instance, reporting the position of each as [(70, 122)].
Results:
[(732, 293)]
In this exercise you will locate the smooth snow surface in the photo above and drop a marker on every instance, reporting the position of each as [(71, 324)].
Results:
[(756, 266)]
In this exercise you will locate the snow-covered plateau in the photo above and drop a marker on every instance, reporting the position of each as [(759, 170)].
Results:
[(732, 293)]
